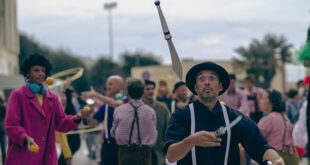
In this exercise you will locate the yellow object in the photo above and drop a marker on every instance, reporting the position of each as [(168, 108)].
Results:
[(40, 98), (64, 144), (34, 148), (86, 109), (49, 81), (222, 103), (80, 131), (75, 72)]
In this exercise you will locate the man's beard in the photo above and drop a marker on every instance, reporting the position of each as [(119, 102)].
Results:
[(209, 98), (150, 99), (184, 99)]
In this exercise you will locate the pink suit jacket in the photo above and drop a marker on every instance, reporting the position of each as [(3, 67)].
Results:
[(26, 117)]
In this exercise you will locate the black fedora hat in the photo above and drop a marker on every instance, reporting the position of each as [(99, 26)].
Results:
[(192, 74)]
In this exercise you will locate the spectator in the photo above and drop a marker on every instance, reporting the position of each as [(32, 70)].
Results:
[(162, 116), (234, 97), (2, 132), (179, 96), (254, 95), (293, 106), (276, 127), (74, 140), (134, 127), (163, 93), (114, 84)]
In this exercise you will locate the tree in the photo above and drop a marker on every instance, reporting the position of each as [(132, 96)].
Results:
[(303, 54), (60, 59), (137, 59), (101, 71), (28, 45), (260, 57), (63, 60)]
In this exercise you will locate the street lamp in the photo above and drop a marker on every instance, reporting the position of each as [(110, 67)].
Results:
[(109, 6)]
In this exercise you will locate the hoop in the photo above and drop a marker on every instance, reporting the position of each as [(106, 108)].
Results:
[(78, 72), (85, 130)]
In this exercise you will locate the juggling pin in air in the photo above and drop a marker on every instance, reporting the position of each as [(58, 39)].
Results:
[(176, 63)]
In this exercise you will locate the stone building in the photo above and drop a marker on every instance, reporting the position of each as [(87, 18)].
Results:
[(9, 48), (9, 38), (155, 72)]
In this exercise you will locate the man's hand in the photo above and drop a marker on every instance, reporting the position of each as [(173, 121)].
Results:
[(178, 151), (68, 161), (206, 139), (78, 117), (89, 94), (279, 162), (273, 157), (68, 82)]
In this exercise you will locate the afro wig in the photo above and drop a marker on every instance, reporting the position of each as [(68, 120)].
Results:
[(36, 59)]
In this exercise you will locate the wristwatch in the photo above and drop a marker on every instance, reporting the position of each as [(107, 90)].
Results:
[(267, 162)]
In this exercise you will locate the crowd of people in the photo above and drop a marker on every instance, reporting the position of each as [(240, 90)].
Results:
[(146, 123)]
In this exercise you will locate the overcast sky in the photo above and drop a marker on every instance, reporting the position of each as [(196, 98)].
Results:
[(201, 29)]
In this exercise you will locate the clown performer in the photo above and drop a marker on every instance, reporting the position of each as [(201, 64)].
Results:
[(206, 132), (34, 113)]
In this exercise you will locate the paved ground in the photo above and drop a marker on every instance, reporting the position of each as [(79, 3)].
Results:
[(303, 161), (81, 156)]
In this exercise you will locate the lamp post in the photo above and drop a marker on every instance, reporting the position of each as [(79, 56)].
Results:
[(109, 6)]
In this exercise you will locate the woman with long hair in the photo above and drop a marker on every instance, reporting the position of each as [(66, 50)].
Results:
[(276, 126)]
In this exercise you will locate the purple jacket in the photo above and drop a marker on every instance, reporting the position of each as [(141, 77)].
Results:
[(26, 117)]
